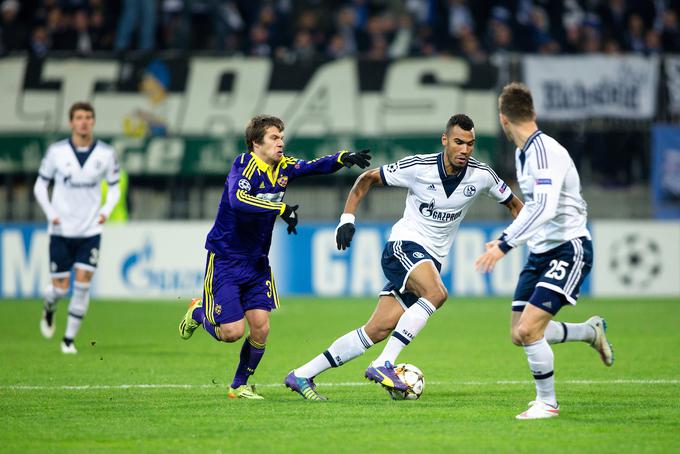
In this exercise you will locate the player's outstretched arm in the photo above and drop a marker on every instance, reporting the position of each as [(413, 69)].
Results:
[(345, 230), (515, 205)]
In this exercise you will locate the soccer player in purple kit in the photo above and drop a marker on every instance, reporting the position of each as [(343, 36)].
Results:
[(239, 285)]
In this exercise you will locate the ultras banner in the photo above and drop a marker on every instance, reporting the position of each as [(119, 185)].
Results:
[(574, 88)]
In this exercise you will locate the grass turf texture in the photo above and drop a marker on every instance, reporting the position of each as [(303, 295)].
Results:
[(476, 381)]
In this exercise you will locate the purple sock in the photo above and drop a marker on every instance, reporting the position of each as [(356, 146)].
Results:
[(210, 328), (251, 354), (198, 314)]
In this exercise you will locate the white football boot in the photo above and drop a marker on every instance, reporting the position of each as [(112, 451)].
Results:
[(539, 410), (69, 349), (600, 343), (47, 325)]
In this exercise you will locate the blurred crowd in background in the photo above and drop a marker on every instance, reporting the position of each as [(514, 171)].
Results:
[(298, 30)]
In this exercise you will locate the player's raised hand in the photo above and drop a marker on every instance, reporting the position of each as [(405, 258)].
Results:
[(486, 262), (360, 158), (344, 231), (291, 218)]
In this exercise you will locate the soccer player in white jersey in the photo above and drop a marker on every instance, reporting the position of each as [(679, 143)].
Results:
[(553, 225), (442, 186), (76, 166)]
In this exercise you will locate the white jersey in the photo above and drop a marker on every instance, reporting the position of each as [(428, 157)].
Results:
[(437, 203), (77, 177), (554, 211)]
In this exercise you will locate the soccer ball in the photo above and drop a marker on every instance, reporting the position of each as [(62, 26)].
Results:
[(413, 377)]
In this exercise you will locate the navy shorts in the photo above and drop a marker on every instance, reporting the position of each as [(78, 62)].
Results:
[(399, 258), (66, 252), (562, 270), (233, 286)]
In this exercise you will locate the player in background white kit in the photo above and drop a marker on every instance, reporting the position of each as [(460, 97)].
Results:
[(553, 225), (442, 187), (76, 166)]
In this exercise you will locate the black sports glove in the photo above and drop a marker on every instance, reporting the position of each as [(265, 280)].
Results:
[(361, 158), (291, 217), (344, 231)]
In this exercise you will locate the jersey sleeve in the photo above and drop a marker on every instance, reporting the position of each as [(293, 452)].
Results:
[(497, 189), (319, 166), (401, 173), (47, 166), (113, 170), (241, 187), (548, 179)]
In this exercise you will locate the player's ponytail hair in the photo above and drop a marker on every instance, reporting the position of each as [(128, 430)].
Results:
[(516, 103), (257, 127), (80, 105)]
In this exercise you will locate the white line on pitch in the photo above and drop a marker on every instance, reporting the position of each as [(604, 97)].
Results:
[(337, 385)]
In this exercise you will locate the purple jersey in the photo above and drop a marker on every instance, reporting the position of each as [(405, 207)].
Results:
[(252, 199)]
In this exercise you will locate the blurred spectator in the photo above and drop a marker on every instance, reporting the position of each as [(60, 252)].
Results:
[(652, 43), (303, 48), (540, 39), (40, 43), (346, 27), (140, 16), (499, 33), (13, 34), (403, 39), (670, 31), (635, 40), (258, 44)]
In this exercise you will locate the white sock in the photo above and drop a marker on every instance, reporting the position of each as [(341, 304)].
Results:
[(52, 296), (410, 323), (558, 332), (77, 308), (541, 363), (344, 349)]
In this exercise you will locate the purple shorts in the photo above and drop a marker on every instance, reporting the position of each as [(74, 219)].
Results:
[(233, 286)]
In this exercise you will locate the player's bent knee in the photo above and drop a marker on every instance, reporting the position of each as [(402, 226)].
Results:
[(515, 339), (438, 296), (230, 334), (524, 335)]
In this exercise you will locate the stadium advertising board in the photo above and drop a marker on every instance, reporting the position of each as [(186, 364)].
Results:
[(143, 260), (574, 88), (636, 258), (173, 115)]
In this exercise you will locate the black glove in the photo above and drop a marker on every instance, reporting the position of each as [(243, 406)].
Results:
[(360, 158), (343, 234), (291, 217)]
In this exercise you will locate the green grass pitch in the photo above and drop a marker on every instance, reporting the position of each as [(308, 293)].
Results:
[(136, 386)]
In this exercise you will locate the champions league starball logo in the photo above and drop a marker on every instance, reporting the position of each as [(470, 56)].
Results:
[(244, 184), (635, 260)]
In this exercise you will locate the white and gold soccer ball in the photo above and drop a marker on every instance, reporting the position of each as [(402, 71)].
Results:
[(413, 377)]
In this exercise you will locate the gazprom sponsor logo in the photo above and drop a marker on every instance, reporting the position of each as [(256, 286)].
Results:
[(428, 210), (544, 181), (140, 272)]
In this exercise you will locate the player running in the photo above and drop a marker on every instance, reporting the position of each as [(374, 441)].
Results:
[(239, 285), (75, 216), (442, 187), (553, 224)]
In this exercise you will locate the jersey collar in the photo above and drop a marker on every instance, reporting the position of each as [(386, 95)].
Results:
[(272, 172), (450, 182), (82, 156)]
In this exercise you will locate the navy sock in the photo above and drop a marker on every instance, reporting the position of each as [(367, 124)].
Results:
[(251, 354)]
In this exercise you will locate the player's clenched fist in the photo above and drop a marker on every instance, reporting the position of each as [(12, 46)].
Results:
[(345, 231)]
